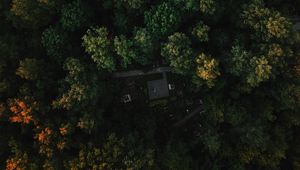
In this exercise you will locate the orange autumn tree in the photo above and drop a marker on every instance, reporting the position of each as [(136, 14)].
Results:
[(51, 140), (20, 159), (45, 139), (44, 136), (22, 111), (16, 163)]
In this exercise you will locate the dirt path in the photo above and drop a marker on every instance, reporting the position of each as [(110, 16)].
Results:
[(189, 116), (140, 72)]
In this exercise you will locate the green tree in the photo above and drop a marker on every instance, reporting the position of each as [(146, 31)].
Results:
[(139, 49), (73, 15), (207, 6), (113, 154), (96, 42), (261, 71), (253, 69), (131, 4), (125, 49), (83, 88), (54, 42), (267, 24), (177, 50), (144, 44), (162, 20), (31, 13), (200, 32)]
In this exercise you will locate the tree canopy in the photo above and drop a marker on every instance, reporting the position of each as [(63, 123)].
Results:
[(230, 69)]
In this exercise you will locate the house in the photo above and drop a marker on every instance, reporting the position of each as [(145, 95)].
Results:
[(137, 84), (158, 88)]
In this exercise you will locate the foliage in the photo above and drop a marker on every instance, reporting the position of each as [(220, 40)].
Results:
[(98, 45), (144, 45), (22, 112), (267, 23), (201, 32), (20, 159), (81, 90), (131, 4), (239, 60), (30, 68), (162, 20), (176, 157), (112, 155), (207, 69), (73, 16), (178, 52), (54, 42), (207, 6), (124, 48), (31, 13), (261, 72), (138, 49), (234, 64)]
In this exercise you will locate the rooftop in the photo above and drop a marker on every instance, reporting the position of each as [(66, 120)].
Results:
[(158, 88), (297, 26)]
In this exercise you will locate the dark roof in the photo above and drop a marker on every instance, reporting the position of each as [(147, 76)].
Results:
[(158, 89), (297, 26), (296, 20)]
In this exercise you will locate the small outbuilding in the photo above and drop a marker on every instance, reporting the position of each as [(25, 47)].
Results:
[(171, 86), (126, 98)]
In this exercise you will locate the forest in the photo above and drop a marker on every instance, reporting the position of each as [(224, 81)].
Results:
[(149, 85)]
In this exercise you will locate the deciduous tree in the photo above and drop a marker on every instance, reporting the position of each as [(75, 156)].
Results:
[(99, 46), (177, 50)]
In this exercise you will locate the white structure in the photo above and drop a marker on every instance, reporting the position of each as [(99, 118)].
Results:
[(171, 86), (126, 98)]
